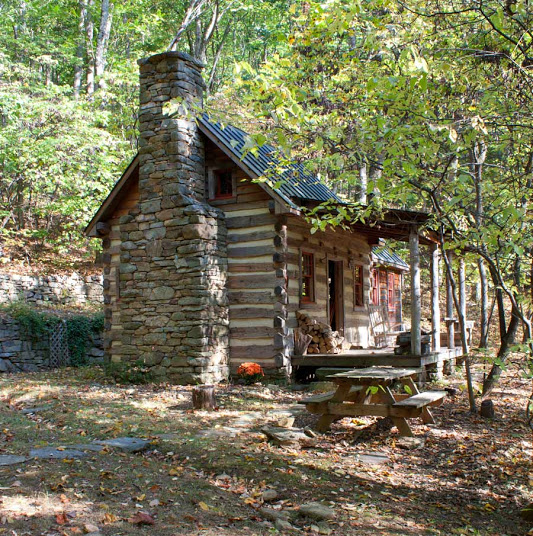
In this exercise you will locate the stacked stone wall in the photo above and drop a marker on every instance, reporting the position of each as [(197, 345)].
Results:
[(166, 301), (20, 354), (72, 289)]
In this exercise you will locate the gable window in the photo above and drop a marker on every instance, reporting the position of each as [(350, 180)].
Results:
[(223, 184), (358, 286), (308, 277)]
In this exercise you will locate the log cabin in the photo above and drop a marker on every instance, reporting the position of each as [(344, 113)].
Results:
[(206, 263)]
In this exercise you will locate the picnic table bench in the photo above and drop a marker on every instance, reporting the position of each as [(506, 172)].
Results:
[(367, 392)]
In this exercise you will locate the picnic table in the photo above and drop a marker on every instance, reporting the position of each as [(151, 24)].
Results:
[(368, 391)]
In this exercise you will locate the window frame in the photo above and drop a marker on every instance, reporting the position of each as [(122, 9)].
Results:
[(311, 277), (358, 287), (213, 185)]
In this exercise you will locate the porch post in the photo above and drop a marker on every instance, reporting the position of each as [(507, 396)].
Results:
[(462, 286), (435, 302), (449, 305), (416, 301)]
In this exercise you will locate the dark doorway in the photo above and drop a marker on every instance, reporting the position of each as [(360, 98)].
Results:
[(335, 296)]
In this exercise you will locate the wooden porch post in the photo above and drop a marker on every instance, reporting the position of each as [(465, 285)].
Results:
[(449, 305), (435, 302), (416, 301), (462, 286)]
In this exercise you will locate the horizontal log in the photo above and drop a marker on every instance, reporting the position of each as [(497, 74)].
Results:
[(251, 197), (249, 251), (243, 282), (251, 312), (252, 352), (238, 222), (250, 267), (251, 236), (252, 332), (243, 298), (239, 207)]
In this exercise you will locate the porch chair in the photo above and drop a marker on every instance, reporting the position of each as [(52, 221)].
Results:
[(379, 325)]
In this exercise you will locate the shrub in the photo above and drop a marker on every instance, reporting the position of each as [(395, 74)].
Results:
[(135, 372), (250, 373)]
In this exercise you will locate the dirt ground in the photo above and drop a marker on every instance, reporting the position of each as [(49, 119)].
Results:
[(206, 472)]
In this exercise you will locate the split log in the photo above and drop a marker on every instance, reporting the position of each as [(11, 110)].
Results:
[(323, 340), (203, 397)]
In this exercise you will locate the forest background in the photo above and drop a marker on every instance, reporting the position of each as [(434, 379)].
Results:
[(419, 105)]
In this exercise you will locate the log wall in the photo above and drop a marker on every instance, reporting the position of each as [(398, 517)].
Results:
[(252, 278), (339, 245)]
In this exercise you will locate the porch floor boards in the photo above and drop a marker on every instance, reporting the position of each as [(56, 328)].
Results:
[(374, 357)]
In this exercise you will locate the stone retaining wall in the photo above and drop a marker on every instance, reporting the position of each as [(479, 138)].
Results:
[(17, 354), (72, 289)]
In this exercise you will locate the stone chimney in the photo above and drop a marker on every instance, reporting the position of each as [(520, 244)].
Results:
[(173, 262)]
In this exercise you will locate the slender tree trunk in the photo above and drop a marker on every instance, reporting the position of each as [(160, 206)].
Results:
[(478, 157), (102, 41), (363, 183), (89, 46), (78, 68), (507, 336), (484, 313), (462, 324)]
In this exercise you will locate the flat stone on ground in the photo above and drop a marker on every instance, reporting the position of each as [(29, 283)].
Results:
[(53, 453), (411, 443), (31, 411), (316, 510), (127, 444), (86, 447), (287, 436), (11, 459), (373, 458)]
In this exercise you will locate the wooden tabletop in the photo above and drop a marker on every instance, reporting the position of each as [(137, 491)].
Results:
[(368, 375)]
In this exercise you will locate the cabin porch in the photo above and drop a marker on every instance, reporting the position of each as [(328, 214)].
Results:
[(431, 366)]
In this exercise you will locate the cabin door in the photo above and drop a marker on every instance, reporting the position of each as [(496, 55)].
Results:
[(336, 296)]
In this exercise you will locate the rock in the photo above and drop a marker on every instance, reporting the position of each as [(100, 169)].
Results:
[(53, 453), (127, 444), (269, 495), (308, 431), (487, 409), (31, 411), (274, 515), (89, 528), (316, 510), (321, 528), (411, 443), (89, 447), (11, 459), (283, 526), (287, 437), (373, 458)]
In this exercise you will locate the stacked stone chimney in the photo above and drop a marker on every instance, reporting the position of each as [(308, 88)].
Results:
[(172, 312)]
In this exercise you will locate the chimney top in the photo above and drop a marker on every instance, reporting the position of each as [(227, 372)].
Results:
[(156, 58)]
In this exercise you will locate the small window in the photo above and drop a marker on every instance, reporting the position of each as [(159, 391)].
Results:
[(358, 287), (308, 277), (375, 287), (223, 184)]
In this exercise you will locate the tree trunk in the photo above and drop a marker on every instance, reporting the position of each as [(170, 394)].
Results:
[(203, 397), (78, 68), (102, 41), (462, 324), (503, 353), (89, 35), (484, 313)]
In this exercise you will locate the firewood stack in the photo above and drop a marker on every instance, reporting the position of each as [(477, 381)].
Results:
[(324, 339)]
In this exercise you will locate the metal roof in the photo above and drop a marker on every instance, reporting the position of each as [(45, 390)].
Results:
[(385, 256), (291, 181)]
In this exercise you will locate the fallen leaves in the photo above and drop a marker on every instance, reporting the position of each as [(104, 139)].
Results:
[(141, 518)]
